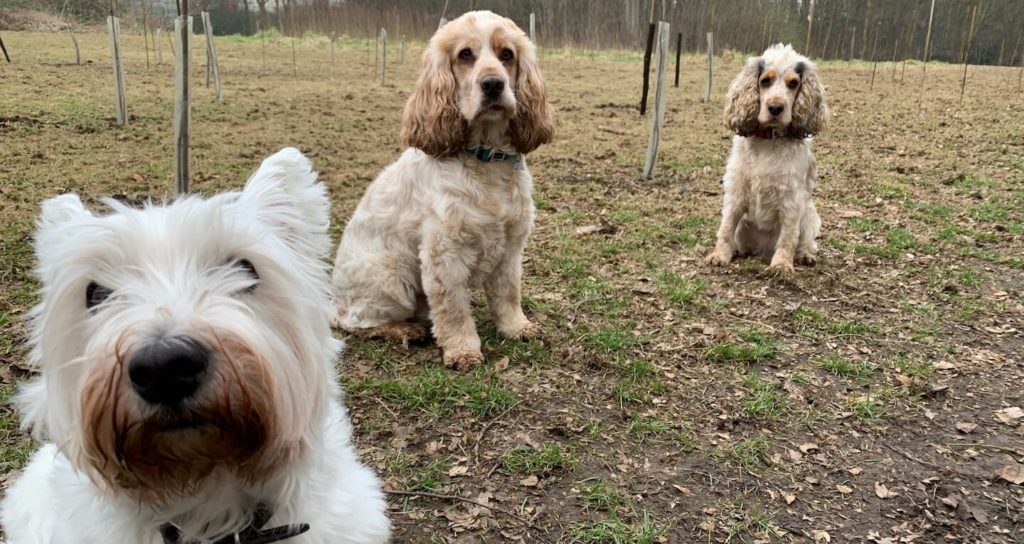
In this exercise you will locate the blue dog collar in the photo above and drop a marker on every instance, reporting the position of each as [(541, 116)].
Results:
[(489, 154)]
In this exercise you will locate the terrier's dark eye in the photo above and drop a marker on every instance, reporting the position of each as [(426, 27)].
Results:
[(95, 294), (246, 266), (506, 55), (466, 54)]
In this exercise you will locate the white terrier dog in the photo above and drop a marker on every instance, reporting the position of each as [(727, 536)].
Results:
[(187, 386)]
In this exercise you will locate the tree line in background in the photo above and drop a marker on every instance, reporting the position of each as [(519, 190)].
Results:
[(842, 29)]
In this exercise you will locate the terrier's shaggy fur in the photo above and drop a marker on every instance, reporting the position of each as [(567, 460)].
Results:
[(188, 380)]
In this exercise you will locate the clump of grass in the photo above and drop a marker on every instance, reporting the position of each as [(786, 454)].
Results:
[(645, 428), (864, 225), (755, 347), (866, 408), (615, 530), (765, 400), (681, 289), (440, 392), (610, 340), (850, 328), (847, 368), (598, 496), (548, 458), (639, 382), (751, 452)]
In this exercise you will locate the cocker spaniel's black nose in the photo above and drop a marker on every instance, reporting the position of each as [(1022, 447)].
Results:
[(492, 86), (776, 109)]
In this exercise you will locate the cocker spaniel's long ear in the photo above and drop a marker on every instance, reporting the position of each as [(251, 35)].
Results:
[(534, 122), (742, 102), (432, 121), (810, 112)]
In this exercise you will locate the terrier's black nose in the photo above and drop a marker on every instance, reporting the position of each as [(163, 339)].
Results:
[(776, 109), (169, 370), (492, 86)]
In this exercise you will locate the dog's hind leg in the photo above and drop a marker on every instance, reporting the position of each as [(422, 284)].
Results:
[(810, 227)]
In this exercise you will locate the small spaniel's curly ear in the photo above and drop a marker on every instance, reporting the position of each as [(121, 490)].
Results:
[(810, 112), (742, 102), (432, 121), (534, 122)]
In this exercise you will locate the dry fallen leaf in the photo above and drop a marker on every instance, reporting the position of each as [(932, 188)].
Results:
[(965, 427), (855, 471), (1013, 473), (884, 492), (789, 498), (1010, 415), (808, 447), (501, 365), (844, 489), (458, 470), (821, 536), (530, 481)]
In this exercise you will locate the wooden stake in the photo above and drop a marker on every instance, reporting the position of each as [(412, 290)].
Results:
[(401, 56), (159, 47), (533, 28), (4, 49), (334, 37), (383, 57), (711, 69), (967, 54), (145, 38), (810, 26), (647, 66), (120, 103), (895, 53), (927, 53), (295, 65), (211, 56), (679, 50), (658, 119), (182, 107), (74, 40)]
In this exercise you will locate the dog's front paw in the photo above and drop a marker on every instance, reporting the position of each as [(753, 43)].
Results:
[(527, 330), (463, 360), (781, 268), (719, 258), (806, 259)]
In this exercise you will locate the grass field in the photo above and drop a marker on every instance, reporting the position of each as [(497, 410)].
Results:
[(668, 402)]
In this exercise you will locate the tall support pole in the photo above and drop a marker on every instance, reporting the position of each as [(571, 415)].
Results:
[(120, 102), (711, 65), (182, 109), (658, 119), (810, 27), (927, 53)]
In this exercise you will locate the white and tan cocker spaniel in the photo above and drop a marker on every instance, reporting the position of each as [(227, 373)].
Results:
[(453, 213), (774, 106)]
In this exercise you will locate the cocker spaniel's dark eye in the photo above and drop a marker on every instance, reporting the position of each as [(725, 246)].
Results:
[(246, 266), (95, 294), (766, 82), (506, 55), (793, 84), (466, 54)]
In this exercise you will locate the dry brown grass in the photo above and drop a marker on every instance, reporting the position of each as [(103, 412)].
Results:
[(668, 402)]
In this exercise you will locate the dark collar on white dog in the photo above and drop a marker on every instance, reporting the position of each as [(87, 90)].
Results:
[(253, 534), (490, 154)]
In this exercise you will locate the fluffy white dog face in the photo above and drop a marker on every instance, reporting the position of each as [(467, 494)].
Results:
[(182, 339)]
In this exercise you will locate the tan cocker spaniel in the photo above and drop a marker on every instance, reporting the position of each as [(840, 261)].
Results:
[(453, 213)]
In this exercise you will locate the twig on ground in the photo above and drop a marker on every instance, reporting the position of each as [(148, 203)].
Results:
[(457, 498)]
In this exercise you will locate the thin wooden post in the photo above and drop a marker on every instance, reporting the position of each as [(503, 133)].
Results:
[(145, 37), (263, 45), (383, 56), (401, 56), (658, 119), (967, 54), (711, 69), (4, 49), (679, 50), (927, 53), (895, 53), (211, 56), (647, 67), (295, 65), (533, 27), (441, 23), (810, 27), (74, 40), (334, 38), (182, 108), (120, 103), (159, 47), (853, 38)]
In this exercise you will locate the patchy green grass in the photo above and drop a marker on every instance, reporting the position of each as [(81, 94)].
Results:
[(753, 347), (598, 495), (751, 452), (616, 530), (848, 368), (681, 289), (548, 458), (439, 392), (764, 400), (638, 382)]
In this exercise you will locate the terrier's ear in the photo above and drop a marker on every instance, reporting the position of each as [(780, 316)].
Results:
[(285, 194), (32, 404), (56, 213)]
